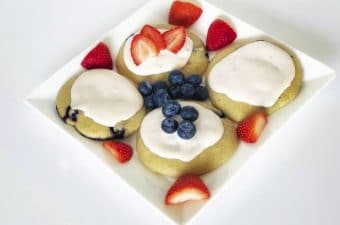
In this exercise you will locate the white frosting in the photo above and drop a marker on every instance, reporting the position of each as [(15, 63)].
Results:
[(209, 130), (164, 62), (257, 74), (105, 96)]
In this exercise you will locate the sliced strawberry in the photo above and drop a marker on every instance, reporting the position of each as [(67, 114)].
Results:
[(142, 48), (175, 39), (122, 152), (184, 13), (98, 58), (250, 129), (156, 36), (220, 34), (186, 188)]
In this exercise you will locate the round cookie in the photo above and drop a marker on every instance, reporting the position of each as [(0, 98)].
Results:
[(86, 126), (208, 160), (197, 64), (237, 111)]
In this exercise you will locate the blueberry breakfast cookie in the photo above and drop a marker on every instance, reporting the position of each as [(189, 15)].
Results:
[(253, 76), (185, 138), (152, 53), (101, 104)]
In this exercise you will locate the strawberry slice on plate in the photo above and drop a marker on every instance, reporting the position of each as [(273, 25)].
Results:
[(220, 34), (142, 48), (250, 129), (175, 38), (121, 151), (98, 58), (187, 188), (184, 13), (154, 34)]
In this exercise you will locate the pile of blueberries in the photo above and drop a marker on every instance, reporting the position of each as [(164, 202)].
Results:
[(160, 94), (173, 113), (157, 94)]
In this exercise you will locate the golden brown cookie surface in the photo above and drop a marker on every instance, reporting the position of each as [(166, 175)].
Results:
[(211, 158)]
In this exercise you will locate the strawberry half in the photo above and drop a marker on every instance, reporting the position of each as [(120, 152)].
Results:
[(186, 188), (98, 58), (153, 34), (220, 34), (122, 152), (175, 39), (184, 13), (142, 48), (250, 129)]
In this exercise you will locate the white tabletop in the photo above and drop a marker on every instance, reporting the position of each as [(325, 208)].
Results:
[(43, 182)]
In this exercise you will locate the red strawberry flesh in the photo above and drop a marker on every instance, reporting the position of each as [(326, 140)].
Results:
[(175, 39), (154, 34), (142, 48), (187, 188)]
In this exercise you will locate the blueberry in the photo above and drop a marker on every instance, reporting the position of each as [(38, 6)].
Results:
[(74, 115), (171, 108), (186, 129), (159, 85), (176, 77), (169, 125), (201, 93), (175, 91), (189, 113), (187, 91), (160, 97), (194, 79), (145, 88), (149, 103)]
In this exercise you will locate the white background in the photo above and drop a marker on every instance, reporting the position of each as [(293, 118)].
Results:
[(43, 182)]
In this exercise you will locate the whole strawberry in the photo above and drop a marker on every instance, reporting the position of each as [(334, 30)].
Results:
[(220, 34), (98, 58)]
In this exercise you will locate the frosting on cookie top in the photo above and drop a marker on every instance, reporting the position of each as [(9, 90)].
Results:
[(166, 60), (257, 74), (209, 130), (105, 96)]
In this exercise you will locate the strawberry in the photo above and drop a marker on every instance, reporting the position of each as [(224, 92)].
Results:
[(98, 58), (156, 36), (122, 152), (250, 129), (175, 39), (184, 13), (220, 34), (186, 188), (142, 48)]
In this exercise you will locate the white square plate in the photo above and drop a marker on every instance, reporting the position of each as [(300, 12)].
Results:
[(150, 186)]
